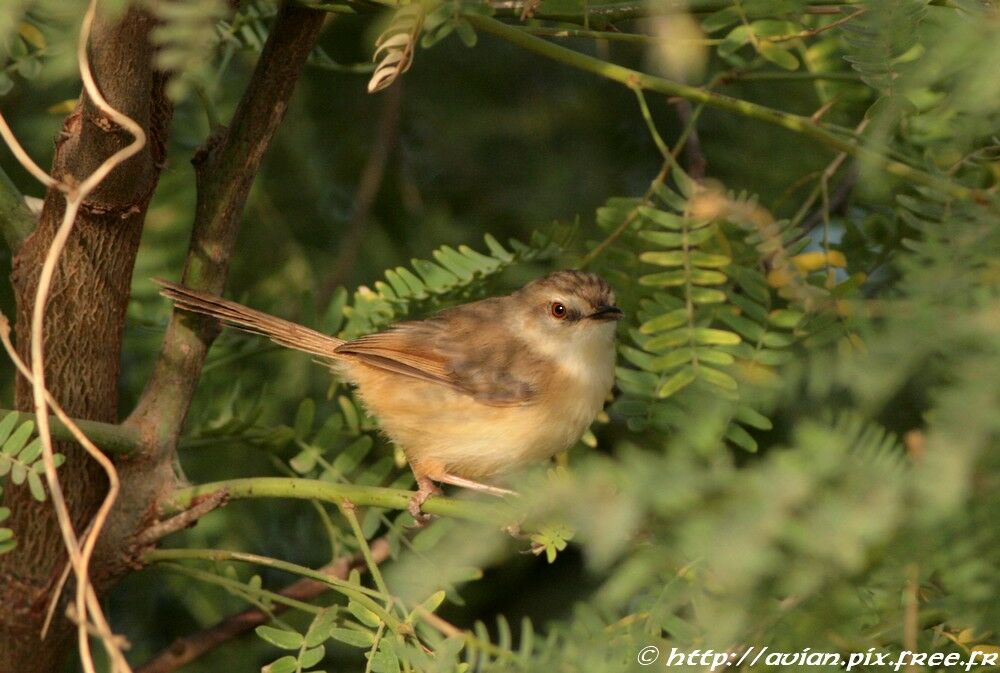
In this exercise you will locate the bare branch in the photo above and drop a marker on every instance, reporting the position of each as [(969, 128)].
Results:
[(225, 169)]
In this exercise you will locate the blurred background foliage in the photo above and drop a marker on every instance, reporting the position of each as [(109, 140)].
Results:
[(801, 451)]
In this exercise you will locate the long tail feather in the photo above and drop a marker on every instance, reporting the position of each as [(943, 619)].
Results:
[(280, 331)]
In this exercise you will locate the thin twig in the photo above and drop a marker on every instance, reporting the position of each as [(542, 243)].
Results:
[(185, 519), (386, 139), (670, 160), (188, 648), (817, 31), (824, 134), (363, 595)]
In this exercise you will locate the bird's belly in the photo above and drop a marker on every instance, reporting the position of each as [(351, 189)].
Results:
[(442, 430)]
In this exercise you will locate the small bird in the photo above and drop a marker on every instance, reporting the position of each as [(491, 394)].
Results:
[(475, 390)]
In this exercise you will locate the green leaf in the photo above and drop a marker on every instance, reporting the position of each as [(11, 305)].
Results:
[(705, 277), (773, 28), (466, 32), (741, 438), (438, 279), (319, 629), (30, 453), (785, 318), (748, 329), (4, 514), (677, 382), (720, 19), (704, 295), (663, 218), (718, 378), (304, 418), (666, 321), (669, 340), (734, 40), (356, 638), (672, 258), (709, 336), (286, 664), (664, 279), (705, 259), (35, 486), (779, 56), (363, 614), (7, 425), (18, 473), (684, 355), (282, 638), (753, 418), (312, 656), (18, 439), (351, 457), (497, 250), (434, 601), (670, 239), (715, 357), (459, 265)]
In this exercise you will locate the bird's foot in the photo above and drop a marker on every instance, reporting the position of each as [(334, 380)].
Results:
[(425, 489)]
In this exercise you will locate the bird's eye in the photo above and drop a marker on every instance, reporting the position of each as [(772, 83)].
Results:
[(558, 310)]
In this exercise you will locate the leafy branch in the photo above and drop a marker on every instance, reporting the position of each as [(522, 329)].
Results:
[(791, 122)]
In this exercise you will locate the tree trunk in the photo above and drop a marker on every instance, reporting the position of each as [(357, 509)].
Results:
[(84, 322)]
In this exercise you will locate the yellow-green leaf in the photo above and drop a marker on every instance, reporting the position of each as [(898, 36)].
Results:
[(778, 56), (671, 258), (718, 378), (669, 320), (677, 382)]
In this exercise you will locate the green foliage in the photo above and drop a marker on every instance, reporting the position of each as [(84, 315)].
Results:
[(186, 36), (801, 451), (20, 459)]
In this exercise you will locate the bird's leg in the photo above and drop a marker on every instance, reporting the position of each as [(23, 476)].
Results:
[(446, 478), (425, 489)]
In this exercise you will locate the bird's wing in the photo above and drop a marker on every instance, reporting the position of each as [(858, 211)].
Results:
[(456, 350)]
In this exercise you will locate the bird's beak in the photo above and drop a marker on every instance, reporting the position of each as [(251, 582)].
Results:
[(604, 313)]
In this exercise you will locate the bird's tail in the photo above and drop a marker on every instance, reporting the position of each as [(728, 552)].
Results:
[(280, 331)]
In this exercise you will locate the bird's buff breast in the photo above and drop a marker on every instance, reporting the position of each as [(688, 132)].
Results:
[(440, 429)]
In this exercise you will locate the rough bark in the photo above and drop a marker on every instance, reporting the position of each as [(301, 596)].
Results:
[(84, 320), (86, 309)]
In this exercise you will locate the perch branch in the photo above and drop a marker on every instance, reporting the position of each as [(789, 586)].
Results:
[(311, 489)]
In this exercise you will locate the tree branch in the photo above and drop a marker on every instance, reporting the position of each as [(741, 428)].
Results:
[(188, 648), (312, 489), (225, 169), (109, 437), (792, 122)]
